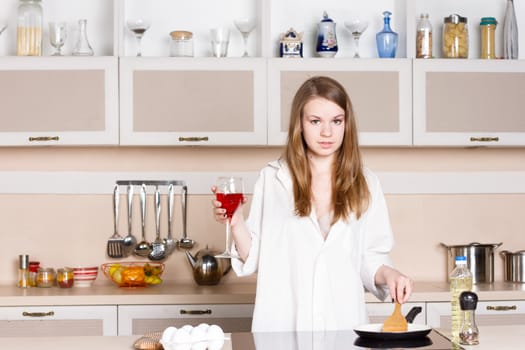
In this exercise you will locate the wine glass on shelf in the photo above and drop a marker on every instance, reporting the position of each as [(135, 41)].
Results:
[(356, 27), (138, 27), (245, 26), (57, 36), (230, 193)]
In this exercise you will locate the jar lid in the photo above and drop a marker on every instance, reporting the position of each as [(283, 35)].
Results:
[(181, 35), (46, 269), (455, 18), (485, 21)]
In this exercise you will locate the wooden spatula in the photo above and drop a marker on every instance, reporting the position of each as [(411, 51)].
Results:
[(395, 322)]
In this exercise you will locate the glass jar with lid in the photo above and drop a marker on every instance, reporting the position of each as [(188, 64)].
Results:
[(29, 29), (488, 30), (45, 277), (181, 43), (455, 37)]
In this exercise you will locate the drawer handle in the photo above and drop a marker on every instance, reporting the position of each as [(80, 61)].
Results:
[(43, 138), (484, 139), (502, 308), (193, 139), (38, 314), (195, 312)]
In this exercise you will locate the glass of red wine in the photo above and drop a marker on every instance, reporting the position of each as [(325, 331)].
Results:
[(230, 194)]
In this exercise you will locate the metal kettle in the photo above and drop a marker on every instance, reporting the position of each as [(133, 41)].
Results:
[(207, 269)]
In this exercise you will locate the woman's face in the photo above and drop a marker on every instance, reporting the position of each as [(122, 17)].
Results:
[(323, 127)]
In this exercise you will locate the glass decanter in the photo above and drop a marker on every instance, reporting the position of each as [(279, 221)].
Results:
[(386, 39), (82, 47)]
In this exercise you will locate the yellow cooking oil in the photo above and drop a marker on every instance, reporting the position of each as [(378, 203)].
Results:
[(460, 281)]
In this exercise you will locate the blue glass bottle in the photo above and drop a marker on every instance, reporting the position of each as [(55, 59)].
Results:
[(386, 39)]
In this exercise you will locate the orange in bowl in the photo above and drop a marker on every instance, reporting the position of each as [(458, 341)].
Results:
[(84, 276), (134, 274)]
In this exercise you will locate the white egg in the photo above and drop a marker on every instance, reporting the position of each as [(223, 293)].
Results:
[(202, 345), (181, 336), (215, 332), (198, 335), (188, 328), (168, 334), (203, 326), (186, 346), (215, 344)]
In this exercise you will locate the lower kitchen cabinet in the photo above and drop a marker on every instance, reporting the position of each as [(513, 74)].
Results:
[(141, 319), (488, 313), (378, 312), (35, 321)]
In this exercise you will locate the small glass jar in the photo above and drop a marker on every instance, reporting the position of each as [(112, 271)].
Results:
[(455, 37), (29, 28), (488, 31), (65, 278), (45, 277), (33, 270), (181, 43)]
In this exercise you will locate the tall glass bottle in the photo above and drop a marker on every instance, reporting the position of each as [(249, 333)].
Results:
[(29, 28), (510, 32), (386, 39), (460, 281), (424, 37), (82, 47)]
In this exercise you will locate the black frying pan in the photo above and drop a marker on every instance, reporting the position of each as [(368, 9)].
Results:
[(374, 330)]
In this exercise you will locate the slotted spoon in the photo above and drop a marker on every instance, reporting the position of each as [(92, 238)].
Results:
[(395, 322), (114, 246)]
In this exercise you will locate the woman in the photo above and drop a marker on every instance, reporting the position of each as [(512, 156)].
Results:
[(318, 229)]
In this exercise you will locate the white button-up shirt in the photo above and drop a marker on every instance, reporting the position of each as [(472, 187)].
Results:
[(306, 283)]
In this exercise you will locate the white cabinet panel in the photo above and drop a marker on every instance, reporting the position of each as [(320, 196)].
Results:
[(35, 321)]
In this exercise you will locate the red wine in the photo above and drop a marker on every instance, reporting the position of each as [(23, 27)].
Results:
[(230, 202)]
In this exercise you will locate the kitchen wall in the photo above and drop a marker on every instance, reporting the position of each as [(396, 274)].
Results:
[(71, 229)]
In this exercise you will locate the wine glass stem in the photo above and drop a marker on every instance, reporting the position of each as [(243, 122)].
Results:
[(139, 44), (245, 40), (228, 233), (356, 38)]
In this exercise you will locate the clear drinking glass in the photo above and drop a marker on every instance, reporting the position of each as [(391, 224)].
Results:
[(220, 38), (356, 27), (245, 26), (57, 36), (231, 194), (138, 27)]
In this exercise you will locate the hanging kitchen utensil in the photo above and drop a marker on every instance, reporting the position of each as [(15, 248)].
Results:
[(169, 242), (395, 322), (129, 242), (143, 248), (114, 246), (185, 242), (158, 250)]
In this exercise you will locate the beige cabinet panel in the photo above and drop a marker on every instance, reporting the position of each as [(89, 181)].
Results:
[(460, 103), (189, 102), (141, 319), (380, 92), (36, 321), (60, 101)]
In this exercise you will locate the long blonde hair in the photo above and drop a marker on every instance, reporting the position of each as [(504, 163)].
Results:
[(350, 192)]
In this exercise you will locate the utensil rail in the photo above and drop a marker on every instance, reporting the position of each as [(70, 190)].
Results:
[(151, 182)]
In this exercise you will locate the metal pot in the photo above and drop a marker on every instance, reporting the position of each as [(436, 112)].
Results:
[(480, 259), (514, 264)]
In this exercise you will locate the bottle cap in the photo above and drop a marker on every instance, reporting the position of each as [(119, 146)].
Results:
[(485, 21), (460, 259), (23, 261), (468, 300)]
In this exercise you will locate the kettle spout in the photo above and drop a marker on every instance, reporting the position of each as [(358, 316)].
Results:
[(191, 259)]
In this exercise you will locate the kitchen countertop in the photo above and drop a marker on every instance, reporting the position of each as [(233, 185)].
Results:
[(491, 337), (170, 293)]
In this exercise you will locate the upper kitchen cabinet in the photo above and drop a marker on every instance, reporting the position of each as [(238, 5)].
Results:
[(165, 101), (469, 102), (380, 91), (58, 101)]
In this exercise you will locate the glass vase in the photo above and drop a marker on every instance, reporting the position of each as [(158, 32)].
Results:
[(386, 39), (82, 47)]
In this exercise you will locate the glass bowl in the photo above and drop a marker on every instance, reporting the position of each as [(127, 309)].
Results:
[(134, 274)]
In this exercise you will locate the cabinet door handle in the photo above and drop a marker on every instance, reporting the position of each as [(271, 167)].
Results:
[(38, 314), (43, 138), (484, 139), (195, 312), (193, 139), (502, 308)]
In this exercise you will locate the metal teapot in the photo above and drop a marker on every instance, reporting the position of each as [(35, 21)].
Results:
[(207, 269)]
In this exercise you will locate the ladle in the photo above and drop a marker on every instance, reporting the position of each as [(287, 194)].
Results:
[(158, 249), (129, 242), (169, 242), (184, 242), (143, 248)]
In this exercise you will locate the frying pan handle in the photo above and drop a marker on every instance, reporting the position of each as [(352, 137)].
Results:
[(411, 315)]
